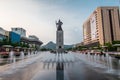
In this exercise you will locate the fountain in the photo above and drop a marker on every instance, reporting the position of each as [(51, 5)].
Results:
[(109, 62), (28, 54), (32, 53), (14, 61), (36, 52), (11, 56), (22, 55), (94, 59)]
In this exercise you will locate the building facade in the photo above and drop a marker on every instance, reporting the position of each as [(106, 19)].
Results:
[(18, 36), (2, 33), (87, 32), (33, 37), (14, 37), (20, 31), (34, 42), (102, 26)]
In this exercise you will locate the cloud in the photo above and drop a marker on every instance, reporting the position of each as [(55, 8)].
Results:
[(38, 17)]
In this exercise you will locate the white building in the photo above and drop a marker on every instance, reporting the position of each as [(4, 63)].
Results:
[(2, 33), (20, 31), (34, 42)]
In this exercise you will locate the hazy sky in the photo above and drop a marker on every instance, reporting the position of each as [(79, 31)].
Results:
[(38, 16)]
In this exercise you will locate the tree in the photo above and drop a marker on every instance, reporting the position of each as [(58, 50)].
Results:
[(115, 42), (110, 47), (5, 41), (43, 49)]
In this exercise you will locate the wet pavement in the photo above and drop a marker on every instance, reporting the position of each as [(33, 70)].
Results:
[(71, 66)]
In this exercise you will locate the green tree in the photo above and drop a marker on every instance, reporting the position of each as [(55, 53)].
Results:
[(43, 49), (115, 42), (110, 47)]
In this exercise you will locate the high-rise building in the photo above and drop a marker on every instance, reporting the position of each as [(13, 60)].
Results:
[(87, 32), (102, 26), (20, 31)]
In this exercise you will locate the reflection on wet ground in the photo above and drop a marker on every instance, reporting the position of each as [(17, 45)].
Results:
[(71, 66)]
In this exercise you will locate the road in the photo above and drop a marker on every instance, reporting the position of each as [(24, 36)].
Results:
[(48, 66)]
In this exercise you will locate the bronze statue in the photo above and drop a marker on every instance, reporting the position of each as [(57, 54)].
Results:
[(59, 24)]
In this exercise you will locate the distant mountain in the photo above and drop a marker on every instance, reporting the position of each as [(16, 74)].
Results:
[(52, 45)]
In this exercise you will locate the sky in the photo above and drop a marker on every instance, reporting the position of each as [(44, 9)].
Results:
[(38, 17)]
